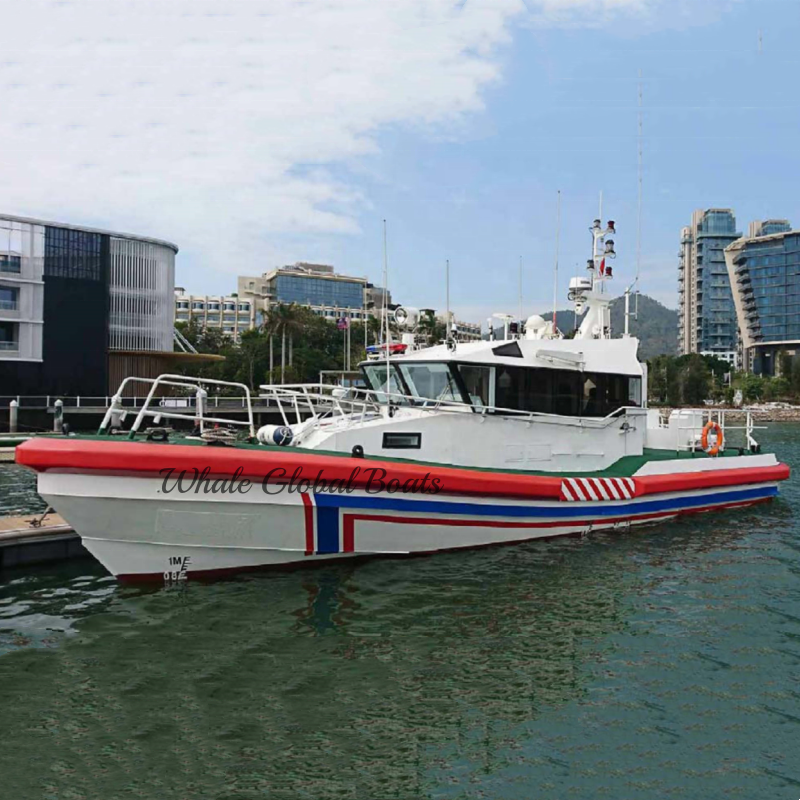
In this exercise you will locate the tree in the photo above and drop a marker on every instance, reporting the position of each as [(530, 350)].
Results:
[(285, 321), (696, 381), (752, 387)]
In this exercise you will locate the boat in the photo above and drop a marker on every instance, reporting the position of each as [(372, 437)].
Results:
[(451, 445)]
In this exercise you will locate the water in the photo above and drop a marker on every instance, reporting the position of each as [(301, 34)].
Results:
[(18, 491), (657, 664)]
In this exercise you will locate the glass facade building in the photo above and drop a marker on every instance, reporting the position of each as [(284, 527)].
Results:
[(74, 301), (765, 274), (318, 291), (707, 316)]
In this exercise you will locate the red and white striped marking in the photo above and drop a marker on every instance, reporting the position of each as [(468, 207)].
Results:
[(583, 490)]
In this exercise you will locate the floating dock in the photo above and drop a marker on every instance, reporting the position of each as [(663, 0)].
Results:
[(37, 539)]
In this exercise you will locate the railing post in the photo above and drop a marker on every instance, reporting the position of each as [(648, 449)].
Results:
[(58, 418), (13, 411)]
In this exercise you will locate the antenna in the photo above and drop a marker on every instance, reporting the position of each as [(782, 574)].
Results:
[(639, 199), (635, 283), (447, 298), (386, 307), (520, 290), (555, 272)]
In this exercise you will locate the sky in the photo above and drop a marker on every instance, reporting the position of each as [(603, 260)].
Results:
[(255, 133)]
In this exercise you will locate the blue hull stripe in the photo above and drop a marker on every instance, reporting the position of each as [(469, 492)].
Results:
[(331, 503), (327, 528)]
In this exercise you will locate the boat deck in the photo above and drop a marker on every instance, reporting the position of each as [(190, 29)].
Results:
[(625, 467)]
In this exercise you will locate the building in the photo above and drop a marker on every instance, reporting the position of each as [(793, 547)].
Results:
[(232, 315), (764, 272), (464, 331), (376, 298), (317, 286), (768, 227), (706, 314), (81, 308)]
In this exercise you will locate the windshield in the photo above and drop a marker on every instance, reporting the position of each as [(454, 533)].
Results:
[(376, 379), (431, 381)]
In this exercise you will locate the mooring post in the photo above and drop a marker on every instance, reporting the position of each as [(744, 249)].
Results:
[(58, 419), (13, 412)]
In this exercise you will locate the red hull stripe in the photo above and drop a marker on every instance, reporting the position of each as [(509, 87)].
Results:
[(106, 456), (308, 510), (348, 533)]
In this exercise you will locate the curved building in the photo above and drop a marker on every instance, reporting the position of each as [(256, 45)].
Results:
[(81, 306), (764, 272)]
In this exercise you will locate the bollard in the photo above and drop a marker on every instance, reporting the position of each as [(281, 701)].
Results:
[(58, 419), (13, 412)]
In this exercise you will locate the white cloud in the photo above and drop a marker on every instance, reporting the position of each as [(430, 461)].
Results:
[(211, 123)]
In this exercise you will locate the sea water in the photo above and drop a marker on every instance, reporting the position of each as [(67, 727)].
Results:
[(660, 663)]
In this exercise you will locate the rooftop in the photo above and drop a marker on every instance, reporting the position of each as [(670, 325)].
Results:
[(88, 229)]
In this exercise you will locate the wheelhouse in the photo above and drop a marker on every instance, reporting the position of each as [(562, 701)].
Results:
[(503, 388)]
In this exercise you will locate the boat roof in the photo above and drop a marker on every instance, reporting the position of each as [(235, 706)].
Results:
[(612, 356)]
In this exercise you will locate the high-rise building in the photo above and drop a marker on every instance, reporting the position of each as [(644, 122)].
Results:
[(765, 275), (767, 227), (706, 314)]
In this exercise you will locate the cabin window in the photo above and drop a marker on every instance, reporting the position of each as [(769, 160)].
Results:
[(634, 392), (478, 383), (565, 392), (375, 375), (434, 381)]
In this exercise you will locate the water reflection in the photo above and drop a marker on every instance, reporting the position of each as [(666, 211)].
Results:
[(436, 677)]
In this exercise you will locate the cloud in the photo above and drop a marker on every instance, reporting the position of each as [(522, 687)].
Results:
[(213, 124)]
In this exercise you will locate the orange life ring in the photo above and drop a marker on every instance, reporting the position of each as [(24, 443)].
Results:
[(712, 426)]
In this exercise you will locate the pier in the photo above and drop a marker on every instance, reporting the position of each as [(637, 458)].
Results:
[(37, 539)]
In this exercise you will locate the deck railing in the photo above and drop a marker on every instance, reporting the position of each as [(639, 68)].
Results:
[(197, 411), (692, 439), (319, 405)]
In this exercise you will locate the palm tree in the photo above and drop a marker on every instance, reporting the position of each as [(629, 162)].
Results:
[(269, 327), (284, 320)]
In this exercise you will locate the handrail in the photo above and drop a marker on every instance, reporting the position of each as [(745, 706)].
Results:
[(183, 382), (359, 402), (691, 442)]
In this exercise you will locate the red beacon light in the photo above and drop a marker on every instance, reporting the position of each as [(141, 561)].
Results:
[(611, 228)]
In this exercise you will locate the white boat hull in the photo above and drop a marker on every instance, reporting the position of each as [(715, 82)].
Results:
[(138, 533)]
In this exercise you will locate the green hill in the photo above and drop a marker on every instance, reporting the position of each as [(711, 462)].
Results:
[(656, 327)]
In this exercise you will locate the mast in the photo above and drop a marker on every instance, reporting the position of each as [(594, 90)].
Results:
[(386, 307), (555, 275), (635, 284), (447, 299)]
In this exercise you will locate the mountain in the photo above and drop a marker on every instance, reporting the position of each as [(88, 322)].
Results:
[(656, 326)]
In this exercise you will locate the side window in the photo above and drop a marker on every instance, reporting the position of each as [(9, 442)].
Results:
[(477, 381), (510, 388), (568, 393), (634, 392)]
